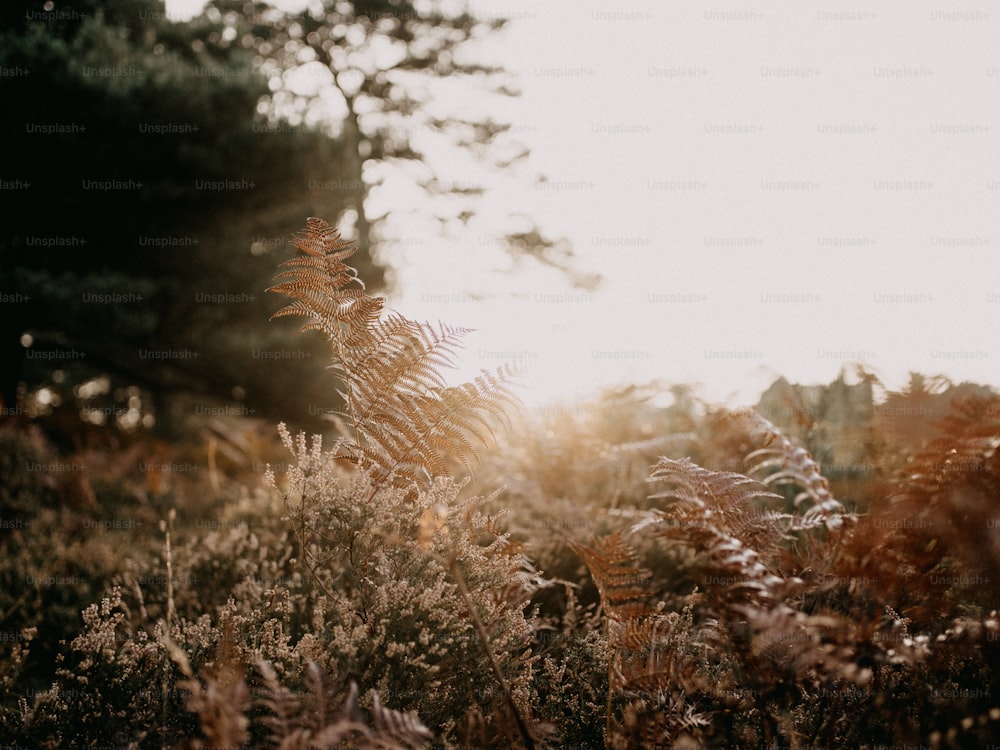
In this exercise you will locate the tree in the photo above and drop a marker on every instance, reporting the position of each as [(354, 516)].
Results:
[(380, 70), (370, 67), (148, 205)]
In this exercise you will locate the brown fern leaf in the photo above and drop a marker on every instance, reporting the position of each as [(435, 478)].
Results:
[(320, 240), (648, 658), (622, 585), (404, 355), (707, 505), (404, 728), (791, 464), (330, 719), (821, 647), (411, 434), (718, 516), (318, 283), (706, 488), (941, 504), (407, 423), (647, 670), (221, 711), (222, 700), (282, 705), (661, 718), (344, 723)]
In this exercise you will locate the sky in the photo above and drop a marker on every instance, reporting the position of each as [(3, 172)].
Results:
[(766, 189)]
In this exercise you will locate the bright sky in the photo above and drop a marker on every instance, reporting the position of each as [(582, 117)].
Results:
[(767, 188)]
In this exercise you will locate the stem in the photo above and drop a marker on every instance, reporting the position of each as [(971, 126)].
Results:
[(349, 391), (484, 637), (303, 542), (608, 727), (171, 610), (315, 575)]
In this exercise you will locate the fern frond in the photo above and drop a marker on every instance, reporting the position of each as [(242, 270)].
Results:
[(621, 584), (319, 281), (790, 464), (647, 669), (221, 711), (413, 433), (706, 505), (706, 488), (407, 422), (320, 240), (404, 728), (281, 704), (331, 719)]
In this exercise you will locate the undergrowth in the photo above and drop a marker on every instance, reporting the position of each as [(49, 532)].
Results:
[(682, 576)]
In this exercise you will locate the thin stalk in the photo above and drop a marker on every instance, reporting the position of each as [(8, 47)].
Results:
[(301, 534), (484, 637), (349, 390), (171, 609), (609, 709)]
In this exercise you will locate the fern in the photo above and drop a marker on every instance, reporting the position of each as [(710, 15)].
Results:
[(795, 466), (405, 422), (648, 669), (403, 427), (732, 543), (706, 508), (325, 719), (329, 719), (621, 584)]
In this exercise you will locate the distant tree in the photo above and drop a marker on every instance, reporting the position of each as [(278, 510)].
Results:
[(373, 69), (146, 205), (367, 68)]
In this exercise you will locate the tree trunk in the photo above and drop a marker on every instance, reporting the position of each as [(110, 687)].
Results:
[(354, 166)]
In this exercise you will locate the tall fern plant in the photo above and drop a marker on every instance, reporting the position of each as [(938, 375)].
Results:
[(393, 550), (404, 421), (756, 646)]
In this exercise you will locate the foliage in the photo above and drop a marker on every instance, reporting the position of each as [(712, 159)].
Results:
[(797, 623), (705, 585), (404, 421), (158, 199)]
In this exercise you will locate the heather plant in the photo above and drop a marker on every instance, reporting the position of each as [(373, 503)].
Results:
[(382, 577), (389, 569)]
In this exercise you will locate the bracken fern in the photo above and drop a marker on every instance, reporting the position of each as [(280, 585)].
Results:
[(404, 421)]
